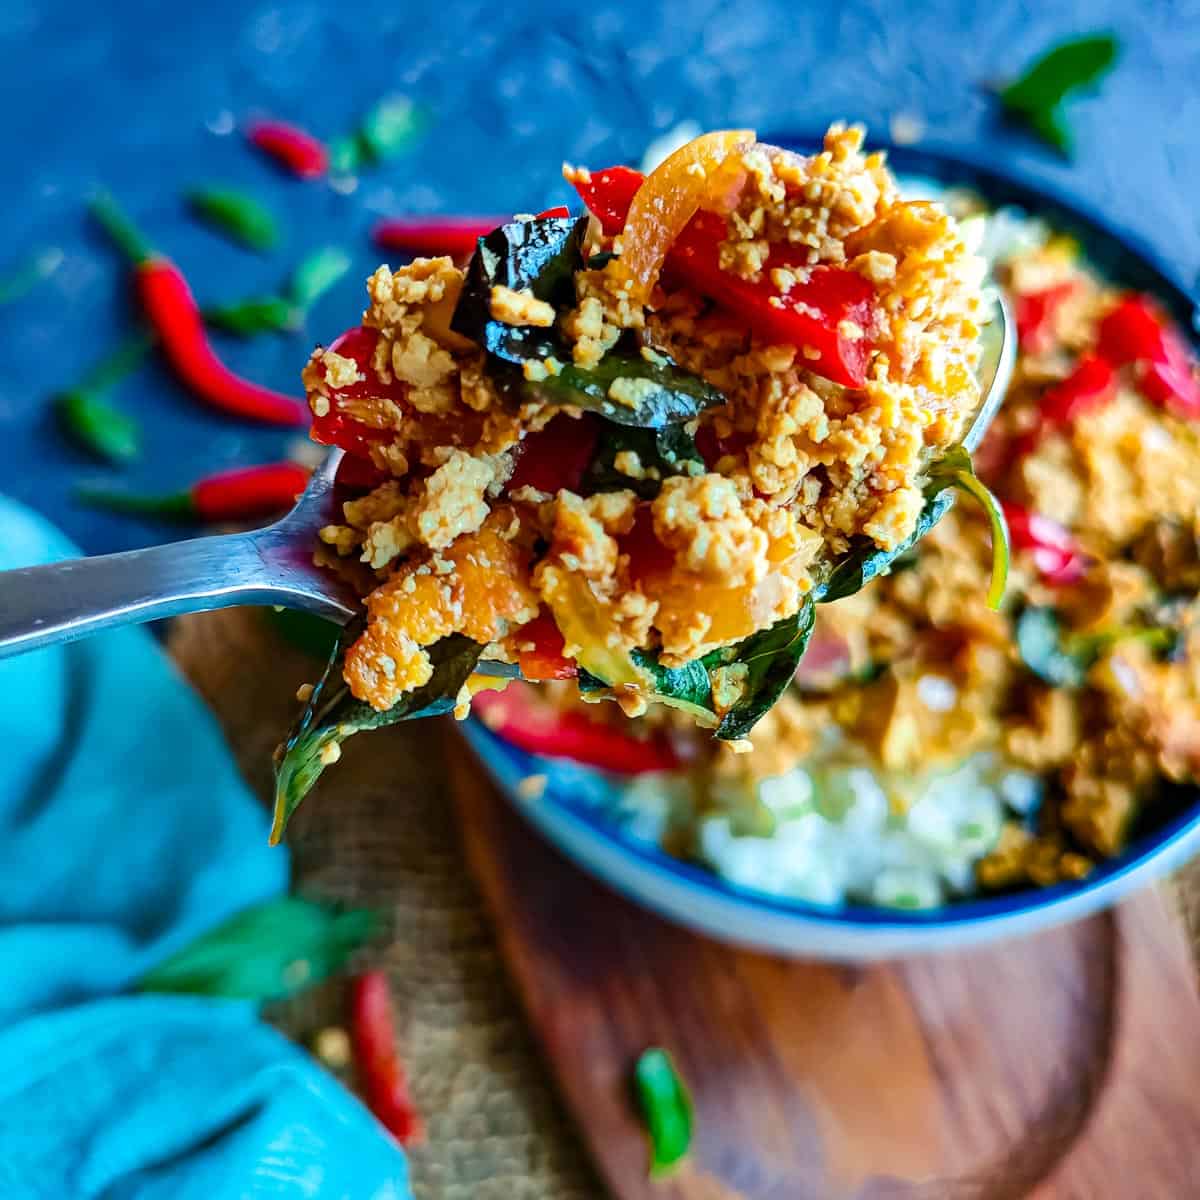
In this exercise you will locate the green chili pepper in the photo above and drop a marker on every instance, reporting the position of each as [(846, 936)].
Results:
[(26, 275), (239, 215), (259, 314), (317, 274), (91, 420), (667, 1108)]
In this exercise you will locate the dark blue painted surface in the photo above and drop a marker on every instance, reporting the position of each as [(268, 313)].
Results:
[(132, 95)]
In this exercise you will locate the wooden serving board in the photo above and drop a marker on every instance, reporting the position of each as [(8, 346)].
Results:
[(1063, 1066)]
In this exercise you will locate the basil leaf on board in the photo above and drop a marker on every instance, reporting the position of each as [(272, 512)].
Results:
[(667, 1108), (541, 256), (670, 450), (1036, 96), (654, 392), (266, 952), (316, 274), (332, 714), (770, 657)]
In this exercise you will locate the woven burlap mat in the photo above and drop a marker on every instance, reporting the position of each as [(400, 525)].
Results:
[(381, 833)]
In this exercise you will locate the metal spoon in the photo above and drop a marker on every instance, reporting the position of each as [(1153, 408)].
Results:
[(66, 600)]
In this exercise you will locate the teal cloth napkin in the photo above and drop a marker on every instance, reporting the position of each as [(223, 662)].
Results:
[(125, 832)]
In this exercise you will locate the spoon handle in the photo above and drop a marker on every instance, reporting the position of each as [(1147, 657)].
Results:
[(66, 600)]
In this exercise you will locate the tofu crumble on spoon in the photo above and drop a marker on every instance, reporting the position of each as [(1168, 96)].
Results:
[(633, 448)]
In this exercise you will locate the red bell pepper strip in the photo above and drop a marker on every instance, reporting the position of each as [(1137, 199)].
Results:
[(1092, 384), (380, 1071), (237, 495), (608, 194), (1055, 552), (1035, 313), (337, 428), (831, 316), (536, 727), (1137, 332), (556, 456), (171, 309), (292, 147), (544, 659)]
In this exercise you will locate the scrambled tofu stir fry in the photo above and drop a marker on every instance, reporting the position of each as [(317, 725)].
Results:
[(622, 447), (1068, 716)]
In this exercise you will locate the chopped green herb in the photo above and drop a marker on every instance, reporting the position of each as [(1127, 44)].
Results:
[(26, 275), (237, 214), (266, 952), (317, 274), (259, 314), (1037, 96), (667, 1109)]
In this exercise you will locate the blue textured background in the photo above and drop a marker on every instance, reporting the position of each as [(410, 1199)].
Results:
[(136, 96)]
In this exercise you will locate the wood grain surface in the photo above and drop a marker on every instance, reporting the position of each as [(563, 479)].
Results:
[(1063, 1067)]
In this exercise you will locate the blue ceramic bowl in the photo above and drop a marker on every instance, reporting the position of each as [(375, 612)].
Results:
[(570, 812)]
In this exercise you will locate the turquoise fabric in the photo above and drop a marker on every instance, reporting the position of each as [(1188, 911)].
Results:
[(125, 832)]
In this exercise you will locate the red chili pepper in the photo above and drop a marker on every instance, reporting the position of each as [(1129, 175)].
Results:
[(534, 726), (1092, 384), (380, 1071), (1137, 332), (1035, 313), (830, 316), (292, 147), (556, 456), (545, 659), (608, 194), (237, 495), (1055, 552), (169, 306), (455, 236)]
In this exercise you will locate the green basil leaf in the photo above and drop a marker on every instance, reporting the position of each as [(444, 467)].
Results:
[(669, 450), (667, 1109), (259, 314), (1040, 645), (237, 214), (688, 685), (391, 128), (320, 271), (654, 392), (541, 256), (771, 657), (1036, 97), (332, 714), (266, 952)]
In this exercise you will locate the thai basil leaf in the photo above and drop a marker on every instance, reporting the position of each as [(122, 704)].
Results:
[(1037, 95), (1063, 659), (670, 450), (771, 657), (332, 714), (689, 683), (656, 392), (541, 256), (266, 952), (667, 1108), (316, 274)]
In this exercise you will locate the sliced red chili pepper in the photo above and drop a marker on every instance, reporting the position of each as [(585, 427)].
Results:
[(238, 495), (1055, 552), (1092, 384), (171, 309), (557, 456), (830, 317), (455, 236), (1035, 314), (534, 726), (608, 194), (381, 1073), (1137, 331), (291, 147), (545, 659)]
